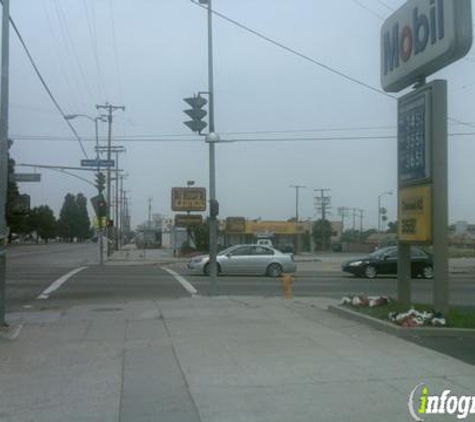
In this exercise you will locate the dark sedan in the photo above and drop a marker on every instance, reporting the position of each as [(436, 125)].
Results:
[(384, 261)]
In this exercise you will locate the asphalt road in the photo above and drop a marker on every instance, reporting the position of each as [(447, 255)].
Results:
[(32, 269), (45, 271)]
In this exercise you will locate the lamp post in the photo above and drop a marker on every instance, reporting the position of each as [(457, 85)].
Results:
[(95, 120), (389, 192)]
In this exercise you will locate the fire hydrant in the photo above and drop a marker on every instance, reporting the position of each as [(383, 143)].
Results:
[(287, 281)]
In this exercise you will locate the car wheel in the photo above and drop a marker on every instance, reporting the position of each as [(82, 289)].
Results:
[(370, 272), (274, 270), (428, 272)]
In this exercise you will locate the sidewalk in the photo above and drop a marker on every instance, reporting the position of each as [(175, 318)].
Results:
[(224, 359)]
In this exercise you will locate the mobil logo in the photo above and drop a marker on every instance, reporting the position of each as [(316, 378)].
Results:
[(404, 40), (422, 37)]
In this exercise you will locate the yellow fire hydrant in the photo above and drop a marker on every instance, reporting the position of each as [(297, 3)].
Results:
[(287, 281)]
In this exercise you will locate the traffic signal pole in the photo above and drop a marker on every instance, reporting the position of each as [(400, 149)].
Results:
[(4, 156), (213, 227)]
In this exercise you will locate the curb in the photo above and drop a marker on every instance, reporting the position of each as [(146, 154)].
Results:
[(402, 332)]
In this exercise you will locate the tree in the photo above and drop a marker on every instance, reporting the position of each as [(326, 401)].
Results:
[(321, 233), (73, 218), (16, 222), (84, 224), (392, 227), (42, 220), (200, 235)]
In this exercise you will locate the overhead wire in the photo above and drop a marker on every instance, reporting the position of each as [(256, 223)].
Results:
[(93, 37), (236, 140), (72, 88), (116, 52), (311, 60), (368, 9), (67, 36), (296, 52), (45, 85)]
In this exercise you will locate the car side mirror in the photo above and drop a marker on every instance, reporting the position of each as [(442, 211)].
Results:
[(228, 255)]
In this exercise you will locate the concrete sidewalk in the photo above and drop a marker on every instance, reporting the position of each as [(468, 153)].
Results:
[(213, 360)]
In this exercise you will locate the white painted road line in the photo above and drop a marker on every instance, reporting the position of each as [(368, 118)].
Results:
[(58, 283), (186, 285)]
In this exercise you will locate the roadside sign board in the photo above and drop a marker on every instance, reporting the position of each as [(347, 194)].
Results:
[(414, 132), (422, 37), (21, 204), (415, 214), (26, 177), (185, 220), (188, 199), (236, 224), (97, 163)]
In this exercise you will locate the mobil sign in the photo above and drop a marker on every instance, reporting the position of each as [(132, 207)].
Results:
[(422, 37)]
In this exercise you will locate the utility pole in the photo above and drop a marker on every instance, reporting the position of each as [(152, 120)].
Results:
[(110, 110), (113, 204), (343, 212), (149, 213), (361, 212), (323, 203), (4, 86), (297, 189)]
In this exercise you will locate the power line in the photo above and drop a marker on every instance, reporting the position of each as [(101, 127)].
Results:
[(93, 38), (65, 30), (116, 53), (295, 52), (43, 82), (72, 87), (386, 5), (368, 9), (309, 59), (197, 140)]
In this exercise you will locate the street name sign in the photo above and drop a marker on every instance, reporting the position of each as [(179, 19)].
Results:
[(422, 37), (188, 199), (97, 163), (26, 177)]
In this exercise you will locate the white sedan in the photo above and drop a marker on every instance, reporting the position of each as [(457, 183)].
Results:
[(247, 259)]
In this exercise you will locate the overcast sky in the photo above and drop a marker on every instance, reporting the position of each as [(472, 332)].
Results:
[(149, 54)]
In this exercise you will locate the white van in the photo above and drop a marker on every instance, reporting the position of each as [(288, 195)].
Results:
[(265, 242)]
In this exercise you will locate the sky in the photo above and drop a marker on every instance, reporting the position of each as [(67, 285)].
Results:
[(148, 55)]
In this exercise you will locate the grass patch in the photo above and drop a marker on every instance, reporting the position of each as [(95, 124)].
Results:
[(458, 316)]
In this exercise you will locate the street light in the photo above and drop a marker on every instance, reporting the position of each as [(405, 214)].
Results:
[(389, 192), (95, 120), (92, 119)]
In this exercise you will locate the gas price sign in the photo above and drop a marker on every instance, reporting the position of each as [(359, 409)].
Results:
[(413, 138)]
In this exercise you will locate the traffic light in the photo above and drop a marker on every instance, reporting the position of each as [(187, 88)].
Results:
[(213, 208), (196, 113), (100, 181), (100, 205), (109, 222)]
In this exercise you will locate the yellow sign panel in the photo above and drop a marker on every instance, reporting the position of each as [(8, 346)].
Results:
[(235, 224), (275, 227), (188, 199), (415, 214), (96, 221)]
